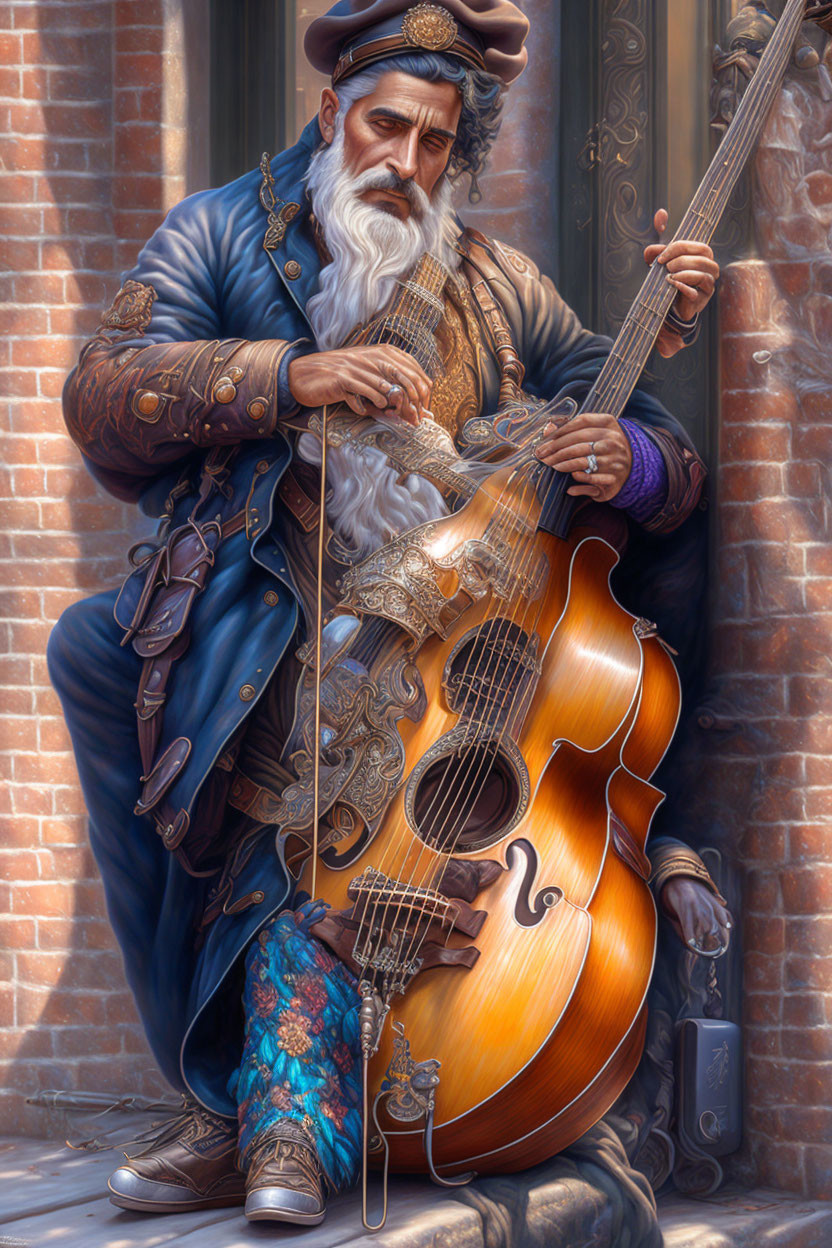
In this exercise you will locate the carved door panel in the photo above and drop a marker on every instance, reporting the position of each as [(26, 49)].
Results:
[(634, 138)]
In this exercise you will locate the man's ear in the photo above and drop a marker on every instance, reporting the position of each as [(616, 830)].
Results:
[(327, 113)]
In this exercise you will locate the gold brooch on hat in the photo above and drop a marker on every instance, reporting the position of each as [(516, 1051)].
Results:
[(429, 26)]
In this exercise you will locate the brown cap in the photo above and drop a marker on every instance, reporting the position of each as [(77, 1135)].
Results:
[(485, 34)]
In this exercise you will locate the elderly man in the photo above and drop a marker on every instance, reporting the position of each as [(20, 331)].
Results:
[(179, 691)]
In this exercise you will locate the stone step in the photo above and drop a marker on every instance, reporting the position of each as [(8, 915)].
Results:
[(50, 1195)]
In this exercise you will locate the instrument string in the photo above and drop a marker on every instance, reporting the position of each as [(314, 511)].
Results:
[(464, 803), (624, 368), (617, 379), (396, 843), (420, 322), (385, 329)]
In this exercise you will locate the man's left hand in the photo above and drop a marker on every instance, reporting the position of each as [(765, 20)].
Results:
[(701, 921), (571, 447), (691, 270)]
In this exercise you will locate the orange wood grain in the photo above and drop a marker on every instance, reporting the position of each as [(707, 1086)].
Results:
[(537, 1040)]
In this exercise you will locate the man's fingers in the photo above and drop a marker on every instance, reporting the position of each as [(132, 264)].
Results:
[(585, 420), (363, 387), (694, 279), (391, 375), (660, 220), (600, 494), (400, 362), (568, 446), (355, 403), (684, 247), (693, 264), (570, 463), (690, 292), (601, 479)]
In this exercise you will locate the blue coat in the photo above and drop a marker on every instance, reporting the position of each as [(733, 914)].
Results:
[(214, 280)]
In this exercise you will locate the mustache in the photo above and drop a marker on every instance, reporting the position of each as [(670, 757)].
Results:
[(388, 180)]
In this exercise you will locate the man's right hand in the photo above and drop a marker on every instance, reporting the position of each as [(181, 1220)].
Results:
[(363, 378)]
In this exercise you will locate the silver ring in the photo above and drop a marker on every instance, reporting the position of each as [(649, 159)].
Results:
[(591, 464), (707, 953), (591, 447)]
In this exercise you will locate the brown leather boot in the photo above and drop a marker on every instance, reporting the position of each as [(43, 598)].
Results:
[(189, 1162), (284, 1177)]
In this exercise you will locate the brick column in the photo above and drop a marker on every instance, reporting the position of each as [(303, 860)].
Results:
[(81, 98), (770, 775)]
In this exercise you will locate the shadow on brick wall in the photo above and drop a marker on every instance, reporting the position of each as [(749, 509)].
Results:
[(88, 154)]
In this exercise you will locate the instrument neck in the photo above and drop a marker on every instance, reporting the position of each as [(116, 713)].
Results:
[(643, 323), (413, 314)]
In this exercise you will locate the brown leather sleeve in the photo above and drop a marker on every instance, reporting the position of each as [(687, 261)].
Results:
[(686, 474), (134, 410)]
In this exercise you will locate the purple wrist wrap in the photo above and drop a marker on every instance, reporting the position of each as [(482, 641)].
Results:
[(645, 490)]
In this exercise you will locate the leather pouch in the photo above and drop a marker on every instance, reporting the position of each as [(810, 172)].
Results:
[(173, 577)]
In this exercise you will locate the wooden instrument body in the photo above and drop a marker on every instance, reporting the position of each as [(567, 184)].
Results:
[(538, 1038)]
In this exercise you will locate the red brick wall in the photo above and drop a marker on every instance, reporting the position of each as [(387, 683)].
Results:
[(80, 101), (772, 780), (93, 156)]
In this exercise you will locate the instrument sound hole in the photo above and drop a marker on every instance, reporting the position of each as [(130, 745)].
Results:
[(466, 801), (491, 672)]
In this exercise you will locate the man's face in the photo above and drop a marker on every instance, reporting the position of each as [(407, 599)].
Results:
[(407, 126)]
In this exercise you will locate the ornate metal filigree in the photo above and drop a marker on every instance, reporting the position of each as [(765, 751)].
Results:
[(410, 1087), (402, 580), (131, 310), (362, 756), (429, 26), (625, 209), (426, 449), (453, 743), (279, 220)]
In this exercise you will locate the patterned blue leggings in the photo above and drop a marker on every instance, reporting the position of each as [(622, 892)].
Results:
[(301, 1053)]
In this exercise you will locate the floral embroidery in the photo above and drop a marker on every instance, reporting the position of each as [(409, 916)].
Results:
[(292, 1033), (301, 1054), (342, 1057), (264, 999)]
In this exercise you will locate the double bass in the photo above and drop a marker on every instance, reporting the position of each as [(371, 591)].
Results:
[(476, 728)]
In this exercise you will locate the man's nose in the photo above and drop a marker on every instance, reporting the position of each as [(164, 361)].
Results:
[(404, 159)]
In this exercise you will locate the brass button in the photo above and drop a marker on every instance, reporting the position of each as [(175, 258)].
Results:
[(247, 693), (257, 408), (236, 374), (147, 402), (292, 269), (263, 465), (225, 391), (257, 896), (271, 599)]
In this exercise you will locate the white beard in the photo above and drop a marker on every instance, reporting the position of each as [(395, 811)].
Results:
[(367, 503), (371, 249)]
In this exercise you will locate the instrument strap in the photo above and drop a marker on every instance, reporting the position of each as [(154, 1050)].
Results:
[(492, 315)]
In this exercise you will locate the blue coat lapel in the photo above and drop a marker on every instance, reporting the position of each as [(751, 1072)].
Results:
[(296, 257)]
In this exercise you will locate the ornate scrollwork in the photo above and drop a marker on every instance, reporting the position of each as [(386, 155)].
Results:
[(362, 760), (623, 153), (131, 310), (402, 580), (427, 449), (409, 1087)]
